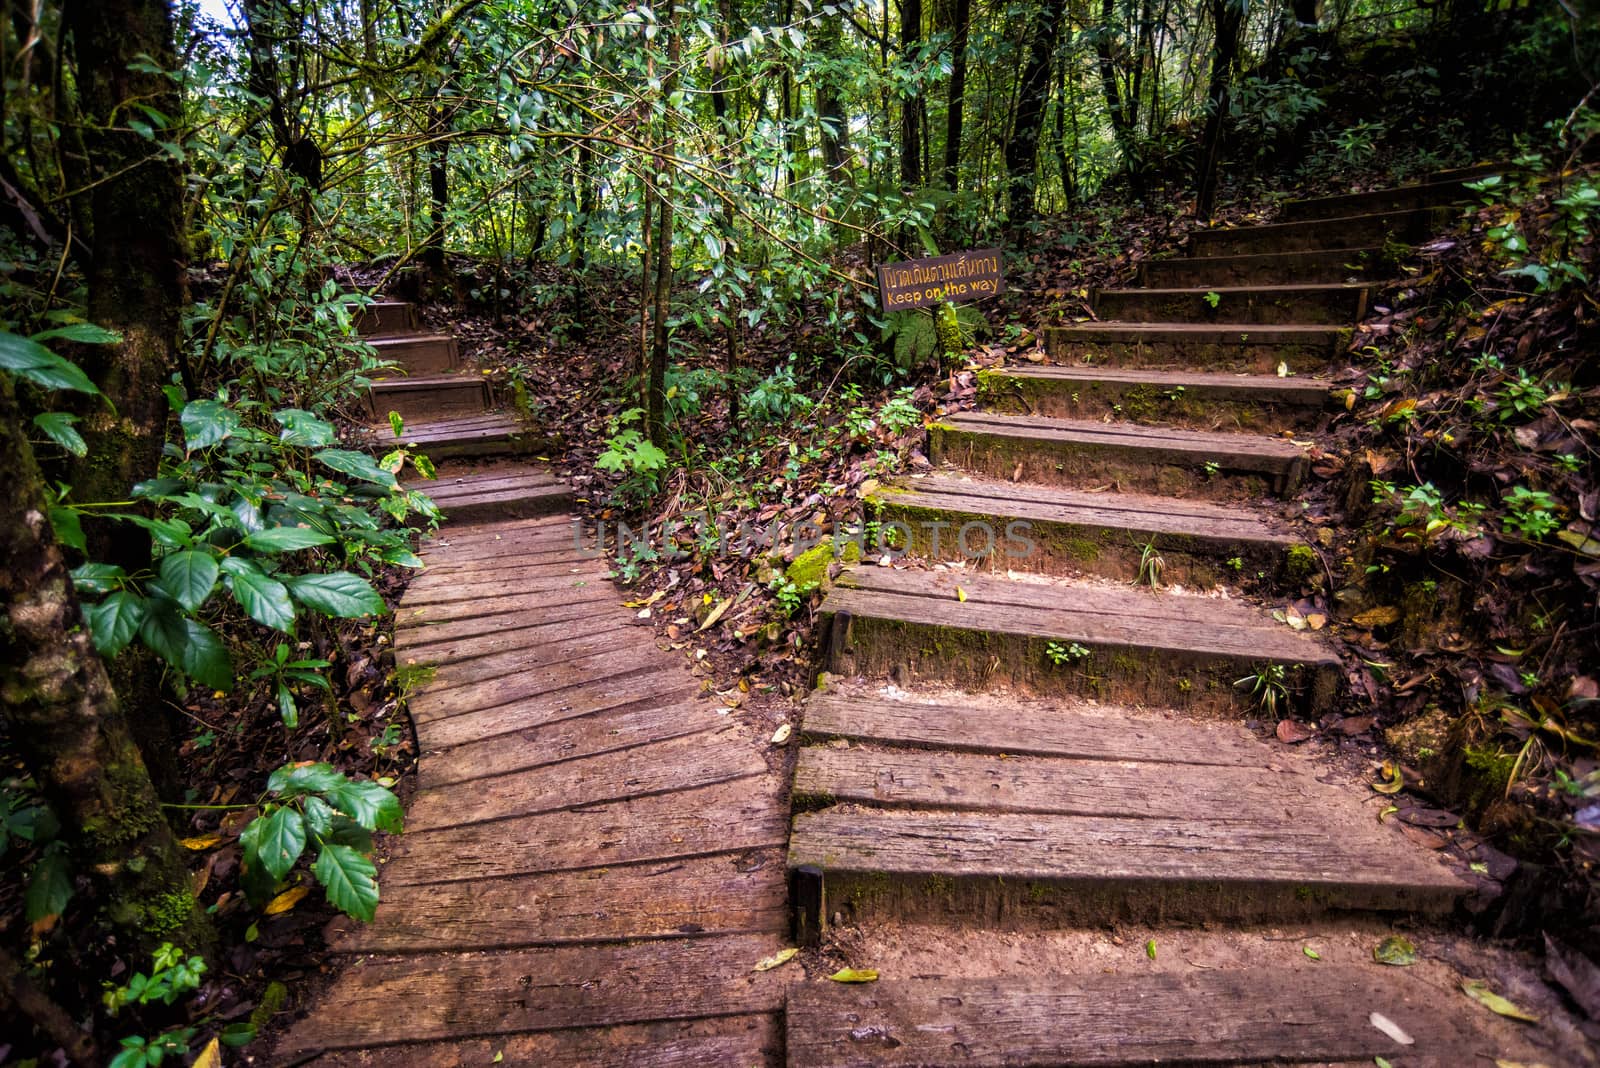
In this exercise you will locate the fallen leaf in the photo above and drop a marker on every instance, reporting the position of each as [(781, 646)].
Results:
[(1313, 954), (716, 614), (210, 1057), (1381, 616), (1576, 973), (855, 975), (1390, 1028), (1389, 810), (1393, 779), (781, 735), (961, 594), (204, 841), (1397, 950), (286, 900), (1479, 991), (783, 956), (1150, 949), (1291, 733)]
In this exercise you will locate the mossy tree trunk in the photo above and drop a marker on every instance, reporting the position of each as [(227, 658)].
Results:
[(66, 722)]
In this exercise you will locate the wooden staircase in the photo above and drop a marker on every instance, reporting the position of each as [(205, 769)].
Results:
[(448, 414), (1038, 728)]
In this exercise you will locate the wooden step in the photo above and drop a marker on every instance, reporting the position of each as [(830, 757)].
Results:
[(973, 631), (1354, 231), (1211, 346), (1323, 305), (1325, 266), (419, 354), (1254, 1016), (1395, 198), (387, 318), (427, 396), (485, 434), (1267, 403), (1056, 531), (505, 494), (1070, 452)]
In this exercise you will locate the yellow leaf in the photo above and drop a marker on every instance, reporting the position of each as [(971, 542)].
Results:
[(1479, 991), (781, 735), (647, 602), (210, 1057), (855, 975), (286, 900), (783, 956), (1389, 810), (1393, 780), (961, 594), (204, 841), (716, 614), (1381, 616)]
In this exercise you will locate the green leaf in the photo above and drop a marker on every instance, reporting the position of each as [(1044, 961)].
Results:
[(397, 424), (356, 465), (57, 426), (207, 422), (186, 644), (1396, 950), (264, 599), (304, 429), (49, 885), (189, 577), (368, 804), (338, 593), (35, 363), (114, 621), (292, 780), (281, 840), (285, 539), (82, 333), (288, 711), (1479, 991), (67, 527), (350, 880)]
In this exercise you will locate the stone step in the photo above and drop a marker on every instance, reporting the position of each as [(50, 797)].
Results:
[(1354, 231), (427, 396), (1124, 536), (1219, 1016), (1322, 266), (484, 434), (386, 318), (1245, 347), (1115, 643), (1168, 398), (1081, 453), (1395, 198), (419, 354), (1326, 305), (508, 493)]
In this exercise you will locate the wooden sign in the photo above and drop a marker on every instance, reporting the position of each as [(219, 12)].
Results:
[(919, 283)]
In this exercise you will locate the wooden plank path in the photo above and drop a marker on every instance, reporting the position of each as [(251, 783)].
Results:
[(594, 861)]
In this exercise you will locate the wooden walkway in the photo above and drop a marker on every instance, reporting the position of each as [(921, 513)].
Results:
[(594, 862)]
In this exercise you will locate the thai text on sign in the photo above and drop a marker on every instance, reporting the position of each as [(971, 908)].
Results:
[(961, 277)]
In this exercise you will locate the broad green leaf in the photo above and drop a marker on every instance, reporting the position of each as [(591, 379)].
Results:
[(67, 527), (281, 840), (114, 621), (350, 880), (338, 593), (318, 815), (57, 426), (1397, 950), (356, 465), (49, 885), (207, 422), (855, 975), (288, 711), (168, 533), (292, 780), (368, 804), (264, 599), (82, 333), (285, 539), (304, 429), (96, 578), (35, 363), (397, 424), (189, 577), (1479, 991), (186, 644)]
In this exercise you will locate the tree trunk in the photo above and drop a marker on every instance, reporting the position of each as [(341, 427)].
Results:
[(438, 187), (911, 107), (656, 390), (65, 720), (1228, 17), (834, 123), (728, 131), (1022, 147), (1122, 110), (960, 24)]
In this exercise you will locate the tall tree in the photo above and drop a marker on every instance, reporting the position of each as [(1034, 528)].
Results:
[(1122, 108), (1228, 18), (960, 23), (1022, 147), (911, 117), (656, 382)]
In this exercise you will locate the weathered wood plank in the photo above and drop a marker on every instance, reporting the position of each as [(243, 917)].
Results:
[(688, 823), (1307, 303), (597, 669), (477, 660), (744, 1041), (481, 730), (386, 1001), (1220, 347), (417, 635), (1100, 868), (655, 768), (724, 893), (553, 583), (990, 724), (508, 601), (1211, 1017), (924, 779)]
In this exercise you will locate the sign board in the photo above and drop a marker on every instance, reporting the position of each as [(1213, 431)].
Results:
[(919, 283)]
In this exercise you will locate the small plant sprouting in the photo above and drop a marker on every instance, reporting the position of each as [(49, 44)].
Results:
[(1235, 564), (1268, 687), (1151, 566), (1213, 298), (1212, 469), (1071, 653), (1175, 394), (1533, 512)]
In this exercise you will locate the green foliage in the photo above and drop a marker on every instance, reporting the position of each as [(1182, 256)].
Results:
[(777, 397), (172, 975), (29, 827), (1061, 654), (1268, 688), (1531, 513), (315, 805), (630, 454)]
